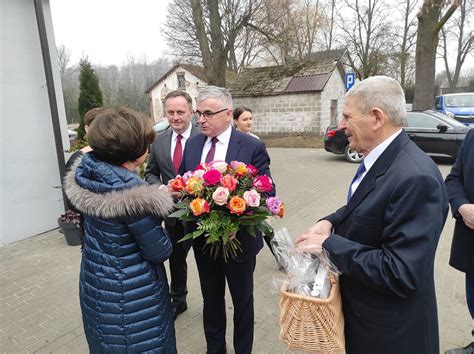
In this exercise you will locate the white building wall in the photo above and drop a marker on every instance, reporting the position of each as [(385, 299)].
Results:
[(30, 194), (193, 84), (334, 90)]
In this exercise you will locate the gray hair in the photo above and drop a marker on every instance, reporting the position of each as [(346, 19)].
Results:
[(215, 92), (382, 92)]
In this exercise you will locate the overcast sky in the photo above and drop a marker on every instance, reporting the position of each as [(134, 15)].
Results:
[(107, 31)]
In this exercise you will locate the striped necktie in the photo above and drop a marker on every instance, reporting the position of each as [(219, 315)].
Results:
[(359, 173), (212, 150)]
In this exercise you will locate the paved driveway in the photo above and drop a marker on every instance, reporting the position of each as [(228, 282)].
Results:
[(39, 309)]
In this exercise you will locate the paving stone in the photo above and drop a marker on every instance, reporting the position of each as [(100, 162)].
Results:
[(39, 305)]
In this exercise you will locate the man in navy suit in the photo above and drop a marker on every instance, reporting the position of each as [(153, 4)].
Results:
[(460, 185), (219, 141), (384, 239)]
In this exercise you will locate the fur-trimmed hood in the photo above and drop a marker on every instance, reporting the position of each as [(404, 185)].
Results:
[(118, 193)]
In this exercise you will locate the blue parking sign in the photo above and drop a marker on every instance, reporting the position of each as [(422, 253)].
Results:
[(349, 80)]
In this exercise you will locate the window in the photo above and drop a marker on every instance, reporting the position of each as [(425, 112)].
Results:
[(420, 120), (181, 80)]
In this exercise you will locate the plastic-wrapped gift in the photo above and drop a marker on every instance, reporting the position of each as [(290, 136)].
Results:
[(311, 317)]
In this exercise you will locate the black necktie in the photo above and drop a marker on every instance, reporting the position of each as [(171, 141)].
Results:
[(212, 150), (359, 172)]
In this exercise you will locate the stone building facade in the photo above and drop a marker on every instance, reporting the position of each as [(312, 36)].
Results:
[(185, 77), (299, 98)]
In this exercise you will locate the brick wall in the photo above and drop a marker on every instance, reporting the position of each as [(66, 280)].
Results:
[(306, 113)]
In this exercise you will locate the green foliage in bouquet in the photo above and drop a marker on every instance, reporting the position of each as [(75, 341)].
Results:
[(223, 200)]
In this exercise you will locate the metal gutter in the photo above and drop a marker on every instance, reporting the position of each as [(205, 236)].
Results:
[(53, 105)]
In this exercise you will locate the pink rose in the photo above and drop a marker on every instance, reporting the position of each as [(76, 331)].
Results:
[(220, 196), (252, 198), (252, 170), (263, 183), (212, 177)]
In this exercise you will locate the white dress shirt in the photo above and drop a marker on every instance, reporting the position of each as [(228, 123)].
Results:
[(370, 159), (221, 146), (186, 134)]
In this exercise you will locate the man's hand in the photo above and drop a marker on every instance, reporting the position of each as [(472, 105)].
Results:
[(467, 213), (311, 240)]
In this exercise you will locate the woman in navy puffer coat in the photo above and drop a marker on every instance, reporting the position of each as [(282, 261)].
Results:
[(124, 295)]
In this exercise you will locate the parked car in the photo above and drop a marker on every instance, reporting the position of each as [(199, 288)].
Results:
[(161, 126), (72, 134), (335, 141), (459, 106), (164, 125), (435, 133)]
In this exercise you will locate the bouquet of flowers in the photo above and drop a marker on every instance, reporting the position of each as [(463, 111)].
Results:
[(223, 199)]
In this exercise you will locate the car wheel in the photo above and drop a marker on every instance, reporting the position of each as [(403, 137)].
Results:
[(352, 156)]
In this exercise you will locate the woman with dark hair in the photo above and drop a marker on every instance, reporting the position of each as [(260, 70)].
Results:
[(123, 290), (243, 120)]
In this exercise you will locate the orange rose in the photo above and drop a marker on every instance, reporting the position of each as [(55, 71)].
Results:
[(281, 213), (199, 206), (229, 182), (178, 184), (237, 205), (194, 185)]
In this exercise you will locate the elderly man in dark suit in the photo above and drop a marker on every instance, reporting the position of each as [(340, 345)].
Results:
[(460, 185), (219, 141), (384, 239), (163, 163)]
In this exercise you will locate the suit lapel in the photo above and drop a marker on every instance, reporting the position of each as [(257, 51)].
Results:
[(196, 151), (379, 168), (167, 150), (234, 147)]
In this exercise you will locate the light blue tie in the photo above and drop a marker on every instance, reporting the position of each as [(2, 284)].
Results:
[(359, 173)]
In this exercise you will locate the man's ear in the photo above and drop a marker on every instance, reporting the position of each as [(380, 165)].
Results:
[(379, 117), (229, 115)]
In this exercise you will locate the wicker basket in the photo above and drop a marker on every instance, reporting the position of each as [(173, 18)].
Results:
[(311, 324)]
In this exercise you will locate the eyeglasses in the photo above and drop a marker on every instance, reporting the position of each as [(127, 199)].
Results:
[(207, 114)]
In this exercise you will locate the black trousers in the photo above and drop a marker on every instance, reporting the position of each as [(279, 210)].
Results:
[(178, 265), (213, 275)]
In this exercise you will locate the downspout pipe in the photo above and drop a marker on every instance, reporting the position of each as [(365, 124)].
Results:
[(51, 93)]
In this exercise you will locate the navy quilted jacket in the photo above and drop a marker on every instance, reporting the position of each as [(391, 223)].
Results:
[(124, 295)]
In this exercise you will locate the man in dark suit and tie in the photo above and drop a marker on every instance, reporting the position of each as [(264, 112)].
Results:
[(460, 185), (384, 239), (163, 163), (219, 141)]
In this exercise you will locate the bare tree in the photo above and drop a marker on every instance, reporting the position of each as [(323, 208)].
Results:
[(407, 39), (430, 23), (329, 22), (289, 28), (180, 32), (456, 33), (64, 57), (209, 31), (367, 33)]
